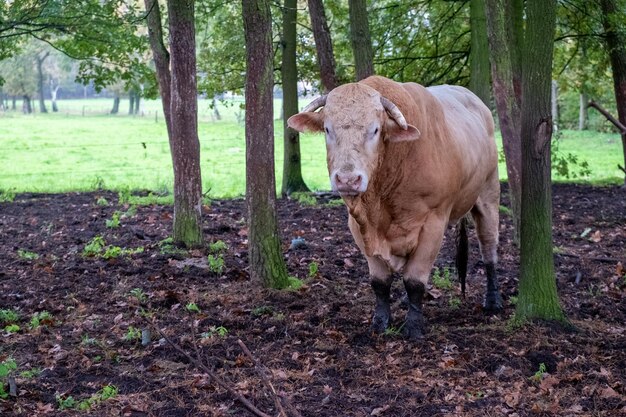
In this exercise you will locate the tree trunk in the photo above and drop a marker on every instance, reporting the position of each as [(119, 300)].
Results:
[(40, 82), (479, 53), (360, 39), (216, 112), (265, 257), (116, 105), (184, 142), (538, 297), (612, 16), (54, 89), (13, 103), (292, 168), (503, 37), (137, 102), (131, 102), (583, 112), (26, 107), (323, 45), (554, 104)]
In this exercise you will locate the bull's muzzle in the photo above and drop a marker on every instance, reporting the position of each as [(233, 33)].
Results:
[(348, 183)]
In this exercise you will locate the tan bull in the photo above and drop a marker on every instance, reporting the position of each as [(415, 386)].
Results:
[(408, 161)]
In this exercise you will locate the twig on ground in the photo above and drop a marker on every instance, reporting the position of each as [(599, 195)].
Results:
[(263, 374), (219, 381)]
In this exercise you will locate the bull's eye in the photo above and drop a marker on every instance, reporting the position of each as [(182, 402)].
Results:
[(375, 131), (327, 131)]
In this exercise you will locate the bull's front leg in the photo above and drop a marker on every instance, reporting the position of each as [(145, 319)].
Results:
[(416, 275), (381, 280)]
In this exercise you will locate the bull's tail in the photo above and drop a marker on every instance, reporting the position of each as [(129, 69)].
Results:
[(461, 252)]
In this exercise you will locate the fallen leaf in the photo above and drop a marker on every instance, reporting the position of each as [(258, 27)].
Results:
[(608, 392), (596, 237), (619, 269), (548, 382), (379, 410)]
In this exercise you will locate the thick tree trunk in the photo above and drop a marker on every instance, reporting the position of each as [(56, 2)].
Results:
[(137, 102), (161, 58), (40, 83), (583, 112), (323, 45), (503, 38), (131, 102), (26, 106), (479, 54), (116, 105), (265, 257), (292, 168), (184, 142), (612, 15), (360, 39), (538, 297)]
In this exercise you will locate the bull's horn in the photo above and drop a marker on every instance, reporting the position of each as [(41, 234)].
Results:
[(394, 112), (316, 104)]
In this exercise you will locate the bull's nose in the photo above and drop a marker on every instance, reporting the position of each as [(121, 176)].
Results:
[(348, 180)]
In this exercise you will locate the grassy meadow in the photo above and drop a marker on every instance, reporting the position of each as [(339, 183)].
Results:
[(83, 147)]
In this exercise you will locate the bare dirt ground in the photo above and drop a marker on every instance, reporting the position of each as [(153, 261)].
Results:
[(315, 341)]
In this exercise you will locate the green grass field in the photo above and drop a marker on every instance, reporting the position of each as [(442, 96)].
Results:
[(66, 151)]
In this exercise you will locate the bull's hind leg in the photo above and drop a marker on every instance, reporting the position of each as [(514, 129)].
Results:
[(486, 216)]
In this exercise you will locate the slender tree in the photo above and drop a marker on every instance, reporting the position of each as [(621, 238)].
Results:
[(504, 23), (360, 39), (538, 297), (479, 53), (323, 45), (40, 58), (613, 20), (266, 260), (292, 167), (179, 96)]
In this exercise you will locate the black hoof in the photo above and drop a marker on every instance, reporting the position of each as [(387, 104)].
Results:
[(493, 302), (413, 332), (380, 321)]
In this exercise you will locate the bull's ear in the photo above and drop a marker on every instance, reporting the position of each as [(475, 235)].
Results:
[(395, 133), (307, 122)]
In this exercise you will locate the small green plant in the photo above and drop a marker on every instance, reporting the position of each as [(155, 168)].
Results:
[(31, 373), (393, 331), (219, 331), (94, 247), (12, 328), (124, 195), (116, 251), (102, 202), (505, 210), (294, 283), (87, 341), (167, 247), (218, 247), (262, 311), (513, 300), (66, 403), (132, 334), (454, 303), (313, 269), (442, 280), (132, 210), (216, 263), (7, 366), (138, 294), (107, 392), (9, 316), (305, 199), (43, 318), (334, 203), (114, 221), (7, 196), (192, 308), (538, 376), (27, 255)]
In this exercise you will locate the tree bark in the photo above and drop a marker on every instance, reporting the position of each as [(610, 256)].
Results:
[(40, 82), (137, 102), (615, 36), (13, 103), (292, 168), (538, 297), (26, 106), (131, 102), (265, 257), (479, 53), (184, 142), (503, 38), (54, 90), (583, 112), (360, 39), (116, 105), (323, 45)]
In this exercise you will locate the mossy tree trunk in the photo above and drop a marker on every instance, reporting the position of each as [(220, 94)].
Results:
[(613, 12), (179, 97), (479, 53), (360, 39), (323, 45), (538, 297), (292, 167), (267, 265), (504, 20)]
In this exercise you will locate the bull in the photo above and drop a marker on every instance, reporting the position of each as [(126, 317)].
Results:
[(408, 161)]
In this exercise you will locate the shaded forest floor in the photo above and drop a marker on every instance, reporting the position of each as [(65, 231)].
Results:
[(314, 340)]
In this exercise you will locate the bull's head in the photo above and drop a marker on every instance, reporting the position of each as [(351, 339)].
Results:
[(358, 122)]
